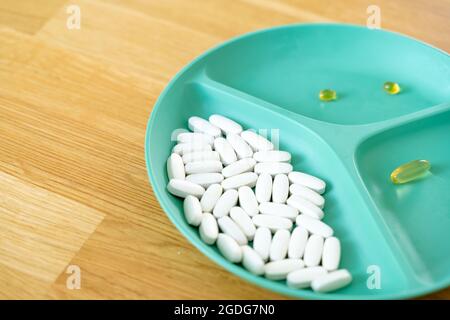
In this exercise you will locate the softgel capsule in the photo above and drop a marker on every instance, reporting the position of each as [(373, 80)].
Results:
[(256, 208)]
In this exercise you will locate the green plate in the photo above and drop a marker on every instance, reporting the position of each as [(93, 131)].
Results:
[(270, 79)]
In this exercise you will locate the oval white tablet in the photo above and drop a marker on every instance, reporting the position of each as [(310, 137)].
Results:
[(297, 244), (225, 150), (226, 201), (278, 209), (247, 201), (229, 227), (243, 179), (302, 278), (262, 241), (208, 229), (252, 261), (241, 218), (274, 223), (210, 197), (205, 179), (314, 226), (308, 194), (279, 245), (263, 189), (280, 188), (331, 254), (313, 251), (305, 206), (225, 124), (256, 141), (183, 148), (238, 167), (229, 248), (183, 188), (278, 270), (200, 156), (272, 156), (198, 124), (331, 281), (203, 167), (273, 168), (192, 210), (242, 149), (308, 181), (175, 167), (195, 137)]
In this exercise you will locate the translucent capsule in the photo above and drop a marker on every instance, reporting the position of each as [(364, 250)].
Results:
[(410, 171), (391, 87), (327, 95)]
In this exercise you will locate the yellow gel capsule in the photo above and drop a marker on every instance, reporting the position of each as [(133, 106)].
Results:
[(410, 171), (391, 87), (327, 95)]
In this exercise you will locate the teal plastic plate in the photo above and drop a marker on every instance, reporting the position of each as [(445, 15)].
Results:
[(270, 79)]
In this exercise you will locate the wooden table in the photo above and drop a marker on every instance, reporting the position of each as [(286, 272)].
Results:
[(73, 110)]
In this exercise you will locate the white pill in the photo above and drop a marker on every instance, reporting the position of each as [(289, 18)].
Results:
[(210, 197), (242, 149), (225, 124), (280, 188), (278, 209), (195, 137), (262, 241), (203, 167), (229, 248), (331, 254), (200, 156), (183, 188), (307, 180), (256, 141), (305, 206), (247, 201), (226, 201), (314, 226), (297, 244), (175, 167), (279, 245), (252, 261), (274, 223), (331, 281), (192, 210), (198, 124), (243, 179), (208, 229), (313, 251), (273, 168), (241, 218), (225, 150), (229, 227), (302, 278), (272, 156), (205, 179), (308, 194), (238, 167), (263, 189), (183, 148), (278, 270)]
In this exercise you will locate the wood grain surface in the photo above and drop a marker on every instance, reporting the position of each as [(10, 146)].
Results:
[(73, 109)]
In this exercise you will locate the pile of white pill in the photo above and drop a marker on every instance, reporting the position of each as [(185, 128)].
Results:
[(245, 197)]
